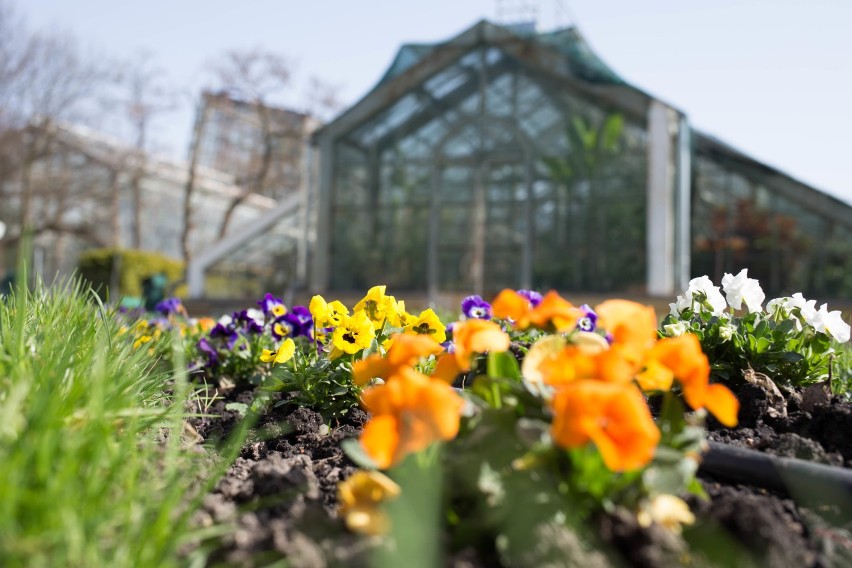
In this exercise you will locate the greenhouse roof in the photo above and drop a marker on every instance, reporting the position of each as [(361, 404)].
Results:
[(568, 41), (561, 54)]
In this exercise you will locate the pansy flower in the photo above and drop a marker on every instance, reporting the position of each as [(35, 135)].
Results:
[(633, 327), (272, 307), (613, 416), (327, 314), (680, 358), (353, 334), (533, 297), (469, 338), (377, 305), (428, 323), (360, 498), (552, 312), (224, 329), (298, 324), (170, 306), (209, 351), (282, 328), (249, 321), (589, 320), (474, 307), (405, 351), (409, 413), (284, 353)]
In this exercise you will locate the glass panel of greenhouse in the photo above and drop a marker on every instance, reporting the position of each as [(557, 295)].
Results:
[(490, 174), (790, 237)]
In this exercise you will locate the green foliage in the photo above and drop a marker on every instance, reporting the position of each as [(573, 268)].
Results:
[(759, 342), (315, 381), (91, 457), (96, 266)]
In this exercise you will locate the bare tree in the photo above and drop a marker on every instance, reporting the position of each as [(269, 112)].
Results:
[(254, 77), (145, 96), (44, 79), (322, 99)]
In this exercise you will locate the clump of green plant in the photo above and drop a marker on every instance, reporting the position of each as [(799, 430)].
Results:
[(92, 459), (789, 340)]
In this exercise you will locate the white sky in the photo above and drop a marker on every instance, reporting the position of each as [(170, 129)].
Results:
[(772, 78)]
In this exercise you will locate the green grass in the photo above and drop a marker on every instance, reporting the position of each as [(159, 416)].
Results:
[(92, 472)]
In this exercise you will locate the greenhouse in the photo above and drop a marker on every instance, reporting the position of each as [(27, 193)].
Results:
[(507, 157)]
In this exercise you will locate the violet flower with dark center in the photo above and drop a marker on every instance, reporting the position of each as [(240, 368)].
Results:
[(272, 307), (282, 328), (212, 355), (169, 306), (227, 332), (533, 297), (246, 321), (448, 332), (474, 307), (300, 323), (589, 320)]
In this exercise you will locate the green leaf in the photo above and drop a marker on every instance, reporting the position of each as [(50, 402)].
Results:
[(503, 365), (238, 407), (355, 452)]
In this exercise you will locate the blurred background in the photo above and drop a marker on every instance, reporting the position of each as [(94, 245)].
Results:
[(442, 148)]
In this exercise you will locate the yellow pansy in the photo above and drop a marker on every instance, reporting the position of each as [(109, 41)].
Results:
[(360, 499), (327, 314), (354, 333), (428, 323), (284, 353), (377, 305)]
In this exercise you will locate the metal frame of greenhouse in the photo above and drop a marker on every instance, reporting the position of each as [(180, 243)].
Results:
[(506, 157)]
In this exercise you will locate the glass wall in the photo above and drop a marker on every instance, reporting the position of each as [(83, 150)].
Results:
[(490, 175), (741, 219)]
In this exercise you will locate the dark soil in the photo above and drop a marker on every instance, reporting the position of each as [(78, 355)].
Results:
[(809, 424), (279, 497)]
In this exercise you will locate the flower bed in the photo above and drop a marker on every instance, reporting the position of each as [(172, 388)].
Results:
[(545, 450)]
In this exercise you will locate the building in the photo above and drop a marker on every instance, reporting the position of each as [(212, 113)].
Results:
[(262, 146), (86, 190), (506, 157)]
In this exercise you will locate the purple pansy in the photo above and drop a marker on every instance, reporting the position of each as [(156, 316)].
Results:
[(533, 297), (169, 306), (282, 328), (248, 321), (212, 355), (589, 320), (272, 307), (448, 344), (227, 332), (474, 307)]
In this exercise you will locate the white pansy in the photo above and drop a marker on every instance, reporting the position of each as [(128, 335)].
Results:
[(682, 303), (704, 286), (225, 320), (806, 308), (775, 305), (256, 315), (726, 332), (830, 323), (741, 288), (675, 329)]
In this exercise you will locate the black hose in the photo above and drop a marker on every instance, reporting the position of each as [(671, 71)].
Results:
[(813, 483)]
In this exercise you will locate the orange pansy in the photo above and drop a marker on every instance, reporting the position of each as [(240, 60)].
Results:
[(553, 311), (633, 328), (405, 350), (410, 412), (683, 357), (613, 416), (477, 336)]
